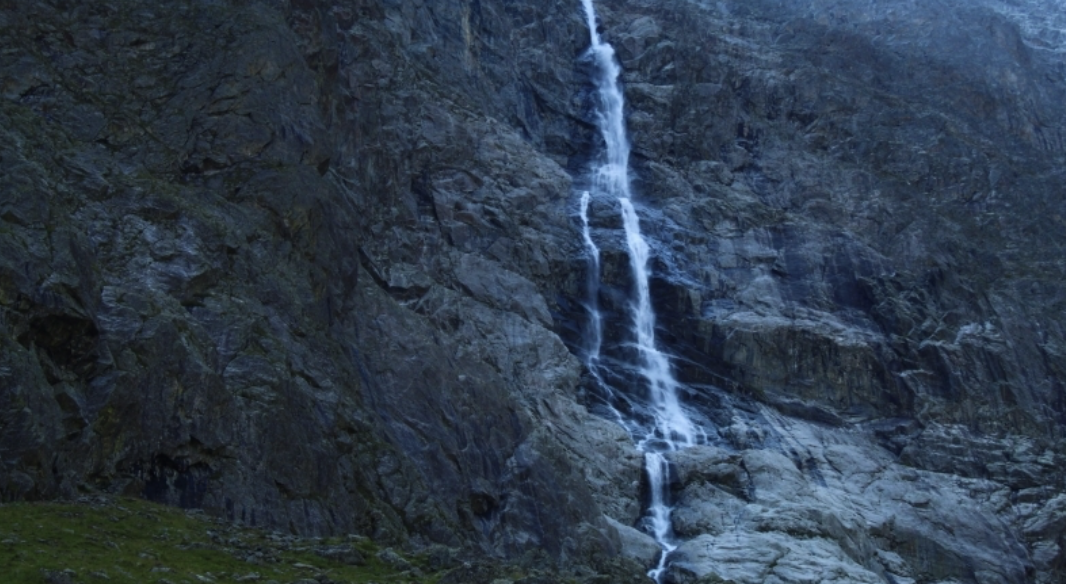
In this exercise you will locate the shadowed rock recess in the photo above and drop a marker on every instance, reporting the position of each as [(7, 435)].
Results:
[(315, 265)]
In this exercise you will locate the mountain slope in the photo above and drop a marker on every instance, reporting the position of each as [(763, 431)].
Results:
[(313, 265)]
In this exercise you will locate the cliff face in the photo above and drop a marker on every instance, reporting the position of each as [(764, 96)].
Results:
[(313, 265)]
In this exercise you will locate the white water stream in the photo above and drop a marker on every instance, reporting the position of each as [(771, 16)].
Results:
[(671, 428), (595, 330)]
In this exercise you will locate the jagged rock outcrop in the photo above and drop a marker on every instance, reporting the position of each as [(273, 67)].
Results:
[(312, 264)]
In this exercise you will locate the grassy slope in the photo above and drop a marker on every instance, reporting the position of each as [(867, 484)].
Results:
[(128, 540)]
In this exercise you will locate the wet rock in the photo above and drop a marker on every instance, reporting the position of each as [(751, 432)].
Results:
[(709, 464), (826, 503), (636, 544), (314, 266), (764, 557)]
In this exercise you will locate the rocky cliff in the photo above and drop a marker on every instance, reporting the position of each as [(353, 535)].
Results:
[(314, 265)]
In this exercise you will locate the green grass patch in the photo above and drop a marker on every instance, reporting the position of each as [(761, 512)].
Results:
[(130, 540)]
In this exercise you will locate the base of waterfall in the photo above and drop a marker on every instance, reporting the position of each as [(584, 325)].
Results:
[(821, 508)]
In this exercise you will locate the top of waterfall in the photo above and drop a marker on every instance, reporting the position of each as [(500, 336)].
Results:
[(590, 16)]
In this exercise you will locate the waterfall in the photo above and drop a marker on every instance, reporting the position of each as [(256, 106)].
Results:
[(595, 334), (670, 427), (671, 423), (657, 519)]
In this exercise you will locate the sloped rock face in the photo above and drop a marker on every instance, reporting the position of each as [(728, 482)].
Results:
[(313, 265), (287, 262)]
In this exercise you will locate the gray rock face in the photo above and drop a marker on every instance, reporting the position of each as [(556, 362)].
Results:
[(838, 243), (637, 545), (267, 259), (314, 265), (850, 202), (832, 503)]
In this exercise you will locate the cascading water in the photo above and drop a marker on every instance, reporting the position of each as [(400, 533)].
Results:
[(595, 334), (670, 427), (594, 340)]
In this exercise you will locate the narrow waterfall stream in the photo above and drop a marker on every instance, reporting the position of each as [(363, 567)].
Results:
[(666, 427)]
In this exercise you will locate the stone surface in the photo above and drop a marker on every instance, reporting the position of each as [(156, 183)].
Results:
[(263, 259), (314, 265), (830, 502), (850, 205), (637, 545)]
